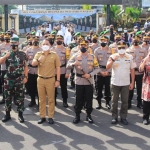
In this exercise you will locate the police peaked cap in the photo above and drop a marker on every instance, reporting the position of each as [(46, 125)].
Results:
[(121, 44), (59, 37)]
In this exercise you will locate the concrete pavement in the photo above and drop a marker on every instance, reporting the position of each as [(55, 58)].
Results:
[(64, 135)]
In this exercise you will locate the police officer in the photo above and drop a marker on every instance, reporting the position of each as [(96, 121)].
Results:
[(25, 43), (15, 78), (145, 44), (122, 64), (94, 43), (64, 55), (51, 39), (32, 72), (86, 66), (4, 47), (102, 54), (138, 55), (48, 62)]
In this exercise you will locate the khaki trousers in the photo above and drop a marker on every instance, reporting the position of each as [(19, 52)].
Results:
[(123, 91), (46, 87)]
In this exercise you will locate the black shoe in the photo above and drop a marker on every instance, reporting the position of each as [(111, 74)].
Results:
[(89, 119), (31, 104), (76, 120), (145, 122), (108, 106), (98, 106), (20, 117), (65, 105), (140, 106), (2, 101), (124, 121), (114, 121), (41, 120), (6, 117), (50, 121), (71, 87)]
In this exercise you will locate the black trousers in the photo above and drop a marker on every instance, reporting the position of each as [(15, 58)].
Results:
[(101, 82), (32, 85), (63, 85), (138, 80), (146, 110), (72, 78), (3, 72), (84, 93)]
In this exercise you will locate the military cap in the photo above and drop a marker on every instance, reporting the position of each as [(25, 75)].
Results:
[(117, 36), (59, 37), (7, 36), (84, 42), (138, 33), (80, 37), (101, 33), (94, 36), (77, 34), (14, 39), (33, 33), (54, 32), (107, 31), (104, 37), (121, 44), (51, 36)]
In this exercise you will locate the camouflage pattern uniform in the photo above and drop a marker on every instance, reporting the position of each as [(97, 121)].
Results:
[(13, 80)]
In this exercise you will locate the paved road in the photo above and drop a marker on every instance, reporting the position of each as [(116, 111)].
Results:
[(64, 135)]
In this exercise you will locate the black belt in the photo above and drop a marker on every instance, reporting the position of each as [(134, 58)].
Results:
[(13, 76), (32, 66), (64, 65), (79, 75), (46, 77), (136, 69), (104, 67)]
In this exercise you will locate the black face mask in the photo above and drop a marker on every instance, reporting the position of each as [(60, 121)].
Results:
[(136, 43), (147, 42), (94, 40), (51, 41), (28, 37), (2, 39), (30, 43), (103, 44), (7, 40), (43, 33), (59, 42), (14, 46), (83, 49), (36, 43)]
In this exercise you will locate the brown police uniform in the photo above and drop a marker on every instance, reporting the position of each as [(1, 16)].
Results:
[(46, 82)]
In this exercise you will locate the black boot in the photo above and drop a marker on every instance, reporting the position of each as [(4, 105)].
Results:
[(65, 103), (6, 117), (140, 105), (89, 119), (32, 103), (76, 119), (108, 105), (20, 117), (99, 105)]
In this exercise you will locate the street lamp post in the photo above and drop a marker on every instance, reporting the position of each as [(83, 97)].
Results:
[(6, 16)]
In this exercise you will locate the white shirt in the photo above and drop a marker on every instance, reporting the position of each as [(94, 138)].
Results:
[(121, 70), (67, 38), (145, 25)]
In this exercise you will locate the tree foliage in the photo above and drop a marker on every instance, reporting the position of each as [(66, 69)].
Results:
[(10, 7)]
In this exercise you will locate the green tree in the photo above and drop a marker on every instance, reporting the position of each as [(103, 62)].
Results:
[(10, 7)]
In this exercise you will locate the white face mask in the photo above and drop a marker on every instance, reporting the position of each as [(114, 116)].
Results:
[(121, 51), (45, 47), (135, 30), (125, 31)]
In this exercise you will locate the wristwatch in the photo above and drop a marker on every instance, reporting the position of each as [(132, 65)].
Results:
[(112, 59), (26, 77)]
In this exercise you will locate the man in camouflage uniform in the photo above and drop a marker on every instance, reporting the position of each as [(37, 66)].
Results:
[(15, 78), (4, 47)]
